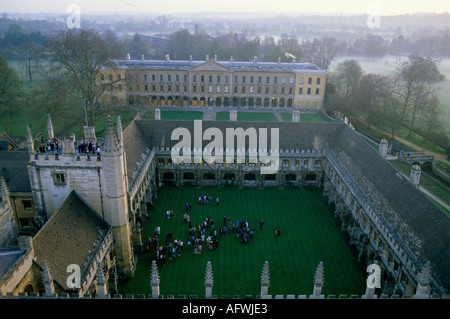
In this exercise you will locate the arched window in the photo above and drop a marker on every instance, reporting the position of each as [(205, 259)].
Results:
[(209, 176), (29, 289), (168, 175), (228, 177), (290, 177), (249, 177), (188, 175)]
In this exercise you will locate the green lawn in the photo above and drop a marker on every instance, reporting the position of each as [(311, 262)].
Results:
[(222, 116), (420, 141), (256, 116), (308, 235), (247, 116), (181, 115)]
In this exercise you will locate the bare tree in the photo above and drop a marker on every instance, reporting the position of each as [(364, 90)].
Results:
[(412, 73), (346, 77), (81, 54), (422, 95), (327, 51), (9, 92), (431, 113), (391, 109), (30, 59), (371, 89)]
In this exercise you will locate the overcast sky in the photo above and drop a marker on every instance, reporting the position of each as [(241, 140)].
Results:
[(296, 7)]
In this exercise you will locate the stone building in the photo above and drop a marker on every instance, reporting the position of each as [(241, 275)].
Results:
[(13, 170), (211, 82), (41, 263), (384, 217)]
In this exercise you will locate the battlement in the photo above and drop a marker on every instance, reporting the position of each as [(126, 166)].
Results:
[(58, 159), (34, 295)]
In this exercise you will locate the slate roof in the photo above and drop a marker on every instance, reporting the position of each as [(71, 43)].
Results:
[(413, 216), (136, 145), (70, 236), (7, 143), (8, 257), (186, 65), (13, 168)]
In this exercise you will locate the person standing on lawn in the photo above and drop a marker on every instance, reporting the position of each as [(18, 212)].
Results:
[(277, 232)]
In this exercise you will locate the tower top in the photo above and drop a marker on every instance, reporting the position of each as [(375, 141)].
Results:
[(119, 130), (111, 144), (50, 128), (424, 277), (30, 142), (318, 277), (3, 188), (209, 275)]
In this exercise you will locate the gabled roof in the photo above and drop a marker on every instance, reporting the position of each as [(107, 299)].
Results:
[(71, 236), (7, 143), (14, 169), (8, 257), (210, 66), (188, 65)]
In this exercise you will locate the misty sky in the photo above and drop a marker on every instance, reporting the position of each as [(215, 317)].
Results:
[(295, 7)]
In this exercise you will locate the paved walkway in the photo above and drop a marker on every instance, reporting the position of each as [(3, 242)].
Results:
[(209, 115), (438, 156)]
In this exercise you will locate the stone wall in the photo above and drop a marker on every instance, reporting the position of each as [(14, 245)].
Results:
[(53, 180)]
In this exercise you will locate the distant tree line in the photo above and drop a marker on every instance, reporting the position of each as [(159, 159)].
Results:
[(407, 99)]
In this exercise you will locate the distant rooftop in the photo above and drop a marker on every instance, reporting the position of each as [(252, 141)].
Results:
[(186, 65)]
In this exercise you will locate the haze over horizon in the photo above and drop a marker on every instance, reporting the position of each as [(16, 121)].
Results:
[(293, 7)]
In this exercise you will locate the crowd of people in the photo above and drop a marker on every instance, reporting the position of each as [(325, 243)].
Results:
[(170, 249), (204, 199), (89, 147), (200, 236), (55, 146), (51, 146)]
